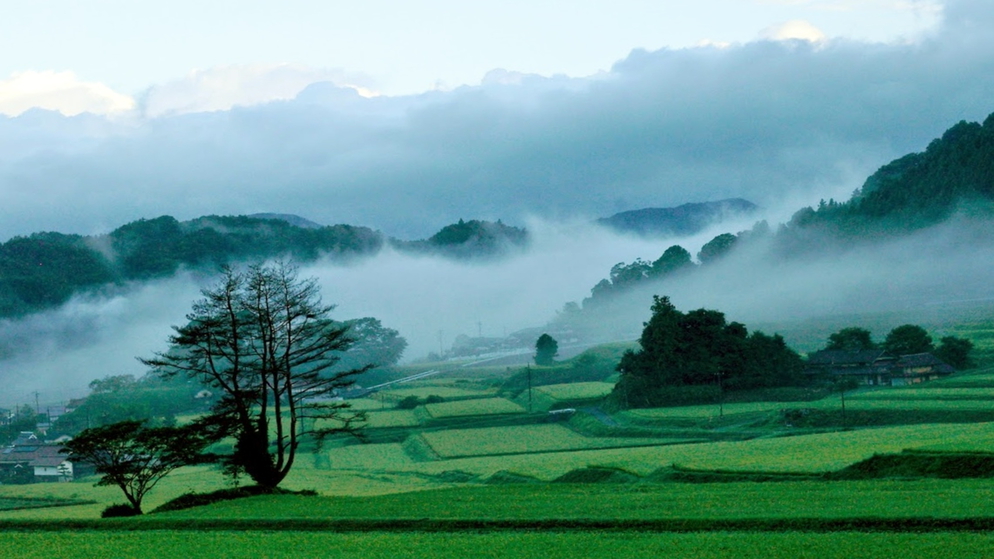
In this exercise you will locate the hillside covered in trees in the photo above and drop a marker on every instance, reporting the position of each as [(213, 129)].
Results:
[(955, 174), (44, 270), (953, 177)]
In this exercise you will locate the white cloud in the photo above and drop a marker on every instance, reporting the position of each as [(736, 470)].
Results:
[(223, 87), (793, 30), (59, 91)]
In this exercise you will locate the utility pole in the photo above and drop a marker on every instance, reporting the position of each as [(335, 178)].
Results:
[(529, 388), (721, 396), (37, 407)]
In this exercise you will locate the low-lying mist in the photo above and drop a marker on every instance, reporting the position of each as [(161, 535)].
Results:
[(928, 277)]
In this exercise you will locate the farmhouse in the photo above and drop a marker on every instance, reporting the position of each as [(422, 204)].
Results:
[(28, 460), (875, 367)]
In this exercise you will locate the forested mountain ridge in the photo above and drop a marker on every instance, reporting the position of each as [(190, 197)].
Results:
[(687, 219), (469, 239), (954, 174), (44, 270)]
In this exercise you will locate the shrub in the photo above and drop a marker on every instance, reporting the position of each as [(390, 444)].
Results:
[(409, 403), (119, 510), (190, 500)]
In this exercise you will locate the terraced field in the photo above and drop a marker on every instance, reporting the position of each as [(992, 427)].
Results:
[(424, 391), (391, 418), (927, 393), (523, 439), (577, 390), (463, 408)]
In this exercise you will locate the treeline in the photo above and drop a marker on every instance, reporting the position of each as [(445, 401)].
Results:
[(955, 173), (691, 355), (45, 270), (906, 339)]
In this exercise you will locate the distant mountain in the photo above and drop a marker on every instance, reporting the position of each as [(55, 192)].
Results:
[(44, 270), (469, 239), (294, 220), (684, 220)]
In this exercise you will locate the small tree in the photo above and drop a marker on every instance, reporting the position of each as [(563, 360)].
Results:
[(853, 338), (264, 341), (908, 339), (546, 350), (955, 351), (135, 458), (717, 248), (674, 259), (843, 385)]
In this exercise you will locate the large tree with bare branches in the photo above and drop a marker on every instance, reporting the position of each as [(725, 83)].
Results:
[(263, 339)]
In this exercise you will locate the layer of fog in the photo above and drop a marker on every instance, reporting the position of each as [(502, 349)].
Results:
[(427, 299), (936, 277), (762, 120), (933, 277)]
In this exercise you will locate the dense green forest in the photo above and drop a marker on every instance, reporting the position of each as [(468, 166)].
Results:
[(699, 350), (44, 270)]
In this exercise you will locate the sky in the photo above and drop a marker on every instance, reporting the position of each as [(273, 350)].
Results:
[(406, 118), (405, 47)]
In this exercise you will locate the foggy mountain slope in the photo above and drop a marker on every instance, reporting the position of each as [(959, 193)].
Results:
[(916, 236), (954, 175), (921, 271), (683, 220), (44, 270), (935, 277)]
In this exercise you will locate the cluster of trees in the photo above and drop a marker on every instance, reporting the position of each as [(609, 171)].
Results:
[(264, 343), (117, 398), (623, 277), (469, 239), (700, 348), (674, 260), (906, 339)]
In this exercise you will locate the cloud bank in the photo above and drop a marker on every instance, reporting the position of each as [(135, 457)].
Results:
[(779, 122)]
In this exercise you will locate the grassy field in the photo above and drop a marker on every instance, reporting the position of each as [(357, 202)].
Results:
[(521, 439), (463, 408), (426, 390), (928, 393), (519, 545), (391, 418), (445, 473), (577, 390), (787, 500)]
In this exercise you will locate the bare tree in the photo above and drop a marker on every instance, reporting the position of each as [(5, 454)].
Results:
[(265, 341)]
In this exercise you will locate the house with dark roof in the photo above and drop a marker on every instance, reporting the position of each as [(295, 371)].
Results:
[(29, 460), (875, 367), (919, 367)]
